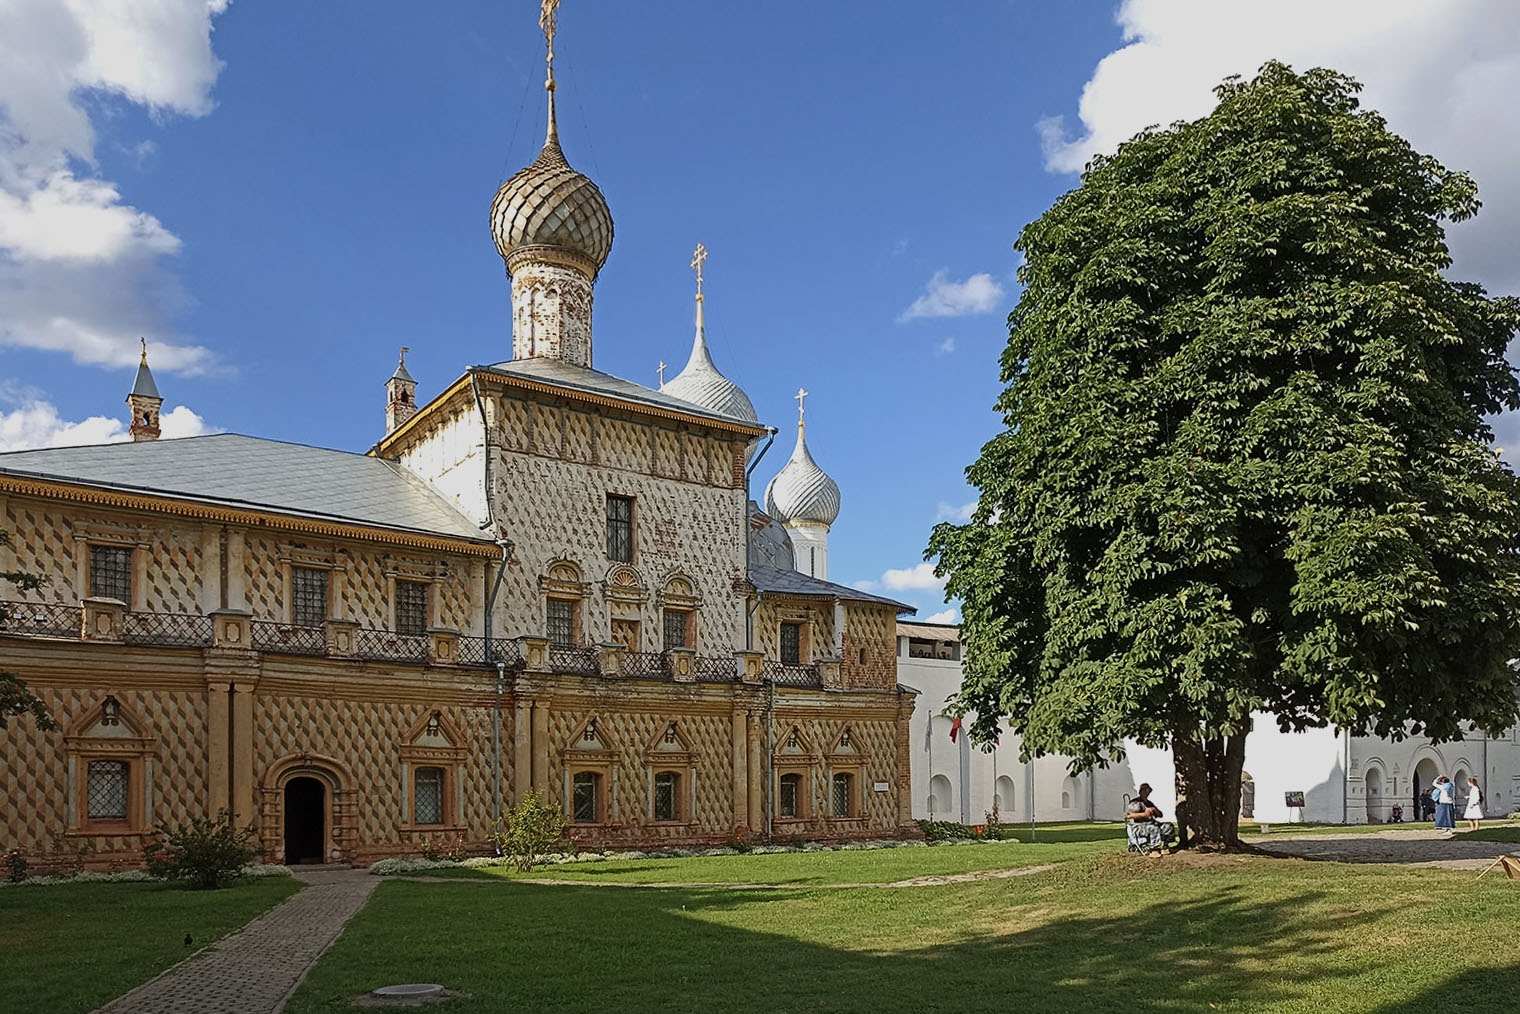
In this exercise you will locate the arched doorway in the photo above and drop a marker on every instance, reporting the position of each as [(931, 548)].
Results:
[(1247, 796), (1425, 774), (305, 821), (1372, 778)]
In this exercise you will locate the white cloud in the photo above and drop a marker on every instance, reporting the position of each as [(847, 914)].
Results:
[(944, 348), (946, 616), (80, 270), (1444, 74), (949, 512), (866, 585), (36, 423), (918, 578), (944, 298)]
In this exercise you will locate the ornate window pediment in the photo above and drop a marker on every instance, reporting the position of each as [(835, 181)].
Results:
[(564, 578), (625, 584), (678, 591)]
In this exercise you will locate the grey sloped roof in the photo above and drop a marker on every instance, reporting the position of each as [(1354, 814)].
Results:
[(143, 386), (252, 473), (582, 378), (794, 582)]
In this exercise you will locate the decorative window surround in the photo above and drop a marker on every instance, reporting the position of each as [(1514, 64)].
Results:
[(433, 741), (109, 731)]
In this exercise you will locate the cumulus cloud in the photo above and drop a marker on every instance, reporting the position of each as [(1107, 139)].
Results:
[(1444, 74), (944, 348), (949, 512), (917, 578), (944, 298), (35, 423), (82, 271), (945, 616)]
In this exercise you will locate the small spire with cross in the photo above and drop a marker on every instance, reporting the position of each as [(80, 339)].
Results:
[(548, 20), (662, 373), (801, 393), (144, 350), (404, 351), (697, 259)]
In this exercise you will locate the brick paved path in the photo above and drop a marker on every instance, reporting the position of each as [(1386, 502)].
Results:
[(254, 970), (1415, 846)]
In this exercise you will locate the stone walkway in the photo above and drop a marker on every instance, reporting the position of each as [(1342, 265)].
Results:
[(1414, 847), (699, 885), (254, 970)]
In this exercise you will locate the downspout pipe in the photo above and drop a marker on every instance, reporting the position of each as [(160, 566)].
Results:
[(749, 614)]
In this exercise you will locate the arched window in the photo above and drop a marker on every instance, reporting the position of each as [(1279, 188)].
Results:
[(1003, 798), (940, 801), (791, 795)]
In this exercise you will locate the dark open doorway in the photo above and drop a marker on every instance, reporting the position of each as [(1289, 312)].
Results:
[(305, 820)]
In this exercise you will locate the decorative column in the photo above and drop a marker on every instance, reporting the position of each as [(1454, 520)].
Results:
[(541, 748), (522, 747), (218, 748), (741, 770), (243, 809), (756, 776)]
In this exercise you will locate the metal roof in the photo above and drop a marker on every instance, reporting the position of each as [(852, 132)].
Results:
[(143, 386), (582, 378), (928, 631), (796, 583), (252, 473)]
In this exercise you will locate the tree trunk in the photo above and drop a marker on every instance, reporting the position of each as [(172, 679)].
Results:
[(1208, 789)]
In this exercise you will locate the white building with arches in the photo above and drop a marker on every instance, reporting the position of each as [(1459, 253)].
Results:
[(1343, 779)]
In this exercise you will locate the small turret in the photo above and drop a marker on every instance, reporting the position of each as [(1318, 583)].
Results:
[(806, 502), (144, 401), (400, 395)]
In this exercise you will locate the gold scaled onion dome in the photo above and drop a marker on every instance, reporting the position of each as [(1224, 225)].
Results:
[(548, 206)]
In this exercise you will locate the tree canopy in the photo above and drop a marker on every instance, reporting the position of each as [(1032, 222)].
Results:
[(1245, 466), (15, 698)]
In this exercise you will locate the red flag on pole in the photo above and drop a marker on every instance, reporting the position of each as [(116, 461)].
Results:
[(955, 728)]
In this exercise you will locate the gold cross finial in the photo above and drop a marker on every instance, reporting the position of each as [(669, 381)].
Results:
[(144, 350), (662, 373), (799, 396), (696, 261), (547, 13)]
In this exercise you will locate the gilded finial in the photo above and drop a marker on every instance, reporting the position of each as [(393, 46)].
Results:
[(799, 396), (548, 14), (662, 373), (404, 351), (697, 259), (144, 350)]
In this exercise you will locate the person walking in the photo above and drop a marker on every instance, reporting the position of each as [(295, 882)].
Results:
[(1445, 795), (1427, 806), (1474, 812)]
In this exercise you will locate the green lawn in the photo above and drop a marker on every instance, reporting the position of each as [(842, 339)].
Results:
[(1491, 832), (1102, 933), (72, 947), (881, 866)]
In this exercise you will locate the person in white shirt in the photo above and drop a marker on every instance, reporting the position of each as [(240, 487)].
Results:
[(1474, 812), (1445, 794)]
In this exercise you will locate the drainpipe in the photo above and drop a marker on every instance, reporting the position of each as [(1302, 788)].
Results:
[(749, 615), (1345, 776)]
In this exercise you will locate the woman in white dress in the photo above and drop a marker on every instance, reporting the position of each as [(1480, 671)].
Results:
[(1474, 804)]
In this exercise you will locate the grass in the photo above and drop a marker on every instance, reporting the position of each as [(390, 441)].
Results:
[(811, 868), (1102, 933), (73, 947), (1499, 833)]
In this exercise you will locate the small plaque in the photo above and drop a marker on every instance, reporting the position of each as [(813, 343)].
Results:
[(880, 786)]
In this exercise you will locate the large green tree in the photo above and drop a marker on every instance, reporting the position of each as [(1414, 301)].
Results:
[(1246, 468), (15, 698)]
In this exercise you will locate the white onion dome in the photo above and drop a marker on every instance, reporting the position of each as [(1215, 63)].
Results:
[(701, 384), (550, 205), (801, 491)]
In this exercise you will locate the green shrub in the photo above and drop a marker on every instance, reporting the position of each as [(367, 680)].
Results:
[(206, 854), (15, 866), (528, 831)]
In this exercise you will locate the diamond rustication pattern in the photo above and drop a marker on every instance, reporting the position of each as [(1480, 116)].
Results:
[(42, 543), (175, 570)]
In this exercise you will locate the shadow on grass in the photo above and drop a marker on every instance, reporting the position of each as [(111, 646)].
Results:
[(1135, 949), (1510, 835)]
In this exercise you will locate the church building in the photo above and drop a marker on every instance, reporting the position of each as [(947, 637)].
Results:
[(544, 578)]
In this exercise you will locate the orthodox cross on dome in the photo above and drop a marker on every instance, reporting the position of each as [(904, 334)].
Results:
[(547, 20), (799, 396), (697, 260), (662, 373), (144, 350)]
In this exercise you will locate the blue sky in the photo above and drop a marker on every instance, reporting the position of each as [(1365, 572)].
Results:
[(280, 204)]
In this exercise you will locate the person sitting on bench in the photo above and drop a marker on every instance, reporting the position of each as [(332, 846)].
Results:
[(1143, 824)]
